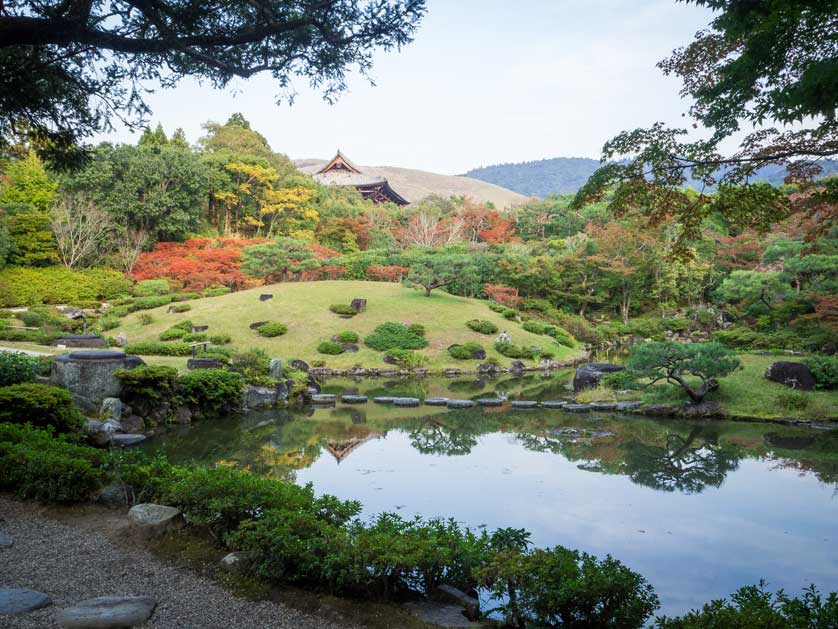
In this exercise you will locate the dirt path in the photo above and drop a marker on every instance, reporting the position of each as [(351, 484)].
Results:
[(77, 559)]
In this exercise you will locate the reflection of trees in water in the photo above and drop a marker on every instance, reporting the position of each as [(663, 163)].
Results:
[(813, 452), (685, 463), (455, 435)]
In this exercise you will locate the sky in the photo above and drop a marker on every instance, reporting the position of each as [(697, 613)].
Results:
[(484, 82)]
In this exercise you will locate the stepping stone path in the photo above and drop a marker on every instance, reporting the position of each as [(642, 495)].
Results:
[(108, 611), (6, 540), (353, 399), (490, 401), (524, 404), (603, 406), (406, 401), (460, 403), (627, 406), (436, 401), (383, 400), (323, 398), (14, 601), (151, 520), (577, 408), (553, 404)]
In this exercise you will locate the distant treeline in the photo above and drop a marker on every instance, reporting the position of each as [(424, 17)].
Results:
[(561, 175)]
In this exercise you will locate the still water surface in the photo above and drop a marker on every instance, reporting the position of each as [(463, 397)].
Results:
[(698, 508)]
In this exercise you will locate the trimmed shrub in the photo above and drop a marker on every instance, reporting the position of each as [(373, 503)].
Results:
[(20, 286), (272, 328), (36, 465), (464, 351), (220, 339), (408, 359), (16, 367), (181, 308), (195, 337), (510, 350), (212, 392), (147, 383), (147, 303), (560, 336), (330, 347), (108, 323), (484, 327), (146, 319), (173, 333), (185, 325), (153, 348), (825, 370), (6, 314), (348, 336), (42, 405), (147, 288), (417, 328), (343, 309), (535, 327), (254, 365), (389, 336), (217, 291)]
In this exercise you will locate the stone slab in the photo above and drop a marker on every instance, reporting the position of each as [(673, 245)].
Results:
[(108, 611), (460, 403), (14, 601)]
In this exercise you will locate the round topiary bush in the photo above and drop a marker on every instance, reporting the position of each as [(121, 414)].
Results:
[(465, 351), (417, 328), (343, 309), (272, 328), (390, 335), (347, 336), (330, 347), (484, 327)]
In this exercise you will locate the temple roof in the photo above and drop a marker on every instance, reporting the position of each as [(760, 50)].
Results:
[(340, 171)]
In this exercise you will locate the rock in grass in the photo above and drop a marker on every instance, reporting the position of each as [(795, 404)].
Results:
[(151, 520), (524, 403), (436, 401), (603, 406), (108, 611), (460, 403), (15, 601), (794, 375), (628, 406)]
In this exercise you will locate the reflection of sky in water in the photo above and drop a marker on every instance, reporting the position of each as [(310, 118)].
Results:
[(761, 523)]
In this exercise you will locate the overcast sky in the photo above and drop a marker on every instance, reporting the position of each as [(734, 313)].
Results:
[(484, 82)]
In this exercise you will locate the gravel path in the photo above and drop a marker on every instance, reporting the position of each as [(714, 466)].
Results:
[(72, 564)]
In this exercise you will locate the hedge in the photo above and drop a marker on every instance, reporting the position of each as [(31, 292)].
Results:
[(153, 348), (484, 327), (42, 405), (16, 367), (21, 286), (211, 392)]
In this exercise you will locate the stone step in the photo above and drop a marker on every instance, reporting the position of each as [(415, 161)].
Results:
[(108, 611), (14, 601)]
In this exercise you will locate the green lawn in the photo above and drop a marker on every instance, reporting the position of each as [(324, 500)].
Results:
[(746, 393), (304, 308)]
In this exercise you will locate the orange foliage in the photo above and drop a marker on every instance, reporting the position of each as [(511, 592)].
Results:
[(323, 273), (323, 253), (387, 273), (739, 252), (504, 295)]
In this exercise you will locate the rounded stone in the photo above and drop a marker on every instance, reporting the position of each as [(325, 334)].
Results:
[(14, 601), (577, 408), (151, 520), (524, 404), (353, 399), (406, 401), (6, 540), (436, 401), (323, 398), (383, 400), (108, 611), (460, 403), (553, 404)]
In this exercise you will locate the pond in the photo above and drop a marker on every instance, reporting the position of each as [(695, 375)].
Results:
[(698, 508)]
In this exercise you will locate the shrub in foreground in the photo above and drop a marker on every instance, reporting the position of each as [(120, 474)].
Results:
[(332, 348), (16, 368), (482, 326), (147, 386), (272, 329), (825, 370), (42, 405), (211, 392), (389, 336), (35, 464)]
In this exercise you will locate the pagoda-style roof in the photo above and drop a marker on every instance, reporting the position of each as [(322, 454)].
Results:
[(342, 172)]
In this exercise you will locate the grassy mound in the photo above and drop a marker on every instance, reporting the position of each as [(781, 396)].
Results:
[(304, 308)]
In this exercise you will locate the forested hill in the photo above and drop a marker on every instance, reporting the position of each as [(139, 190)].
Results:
[(544, 177)]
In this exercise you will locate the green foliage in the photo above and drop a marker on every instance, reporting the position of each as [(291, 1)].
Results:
[(675, 362), (145, 318), (147, 383), (416, 328), (147, 288), (388, 336), (825, 370), (16, 367), (32, 242), (173, 333), (348, 336), (220, 339), (37, 465), (153, 348), (330, 347), (484, 327), (153, 301), (271, 329), (464, 351), (216, 291), (108, 323), (792, 400), (510, 350), (195, 337), (408, 358), (180, 308), (42, 405), (56, 285), (211, 392), (254, 365), (343, 309), (753, 606)]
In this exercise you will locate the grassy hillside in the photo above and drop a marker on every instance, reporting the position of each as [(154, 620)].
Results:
[(304, 308)]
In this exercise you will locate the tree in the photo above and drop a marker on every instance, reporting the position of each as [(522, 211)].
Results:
[(674, 362), (32, 242), (757, 63), (434, 271), (93, 59), (82, 231), (27, 181), (765, 287), (129, 244)]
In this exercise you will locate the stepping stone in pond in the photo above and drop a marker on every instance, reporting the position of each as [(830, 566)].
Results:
[(353, 399), (14, 601), (553, 404), (460, 403), (603, 406), (383, 400), (108, 611), (6, 540), (125, 441), (627, 406), (436, 401), (578, 408), (323, 398), (489, 401), (524, 404), (406, 401)]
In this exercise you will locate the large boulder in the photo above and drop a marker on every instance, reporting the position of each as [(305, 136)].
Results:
[(111, 410), (259, 397), (151, 520), (588, 376), (108, 611), (88, 375), (794, 375), (275, 369), (99, 433), (14, 601)]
